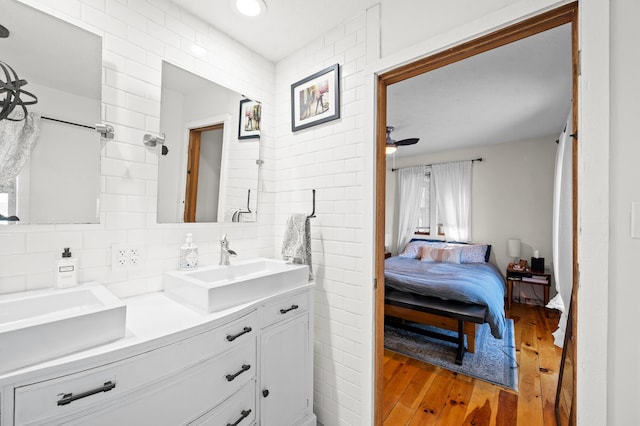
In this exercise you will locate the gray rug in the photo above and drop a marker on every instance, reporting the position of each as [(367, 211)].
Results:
[(494, 360)]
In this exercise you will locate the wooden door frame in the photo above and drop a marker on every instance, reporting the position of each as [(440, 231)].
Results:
[(193, 169), (567, 14)]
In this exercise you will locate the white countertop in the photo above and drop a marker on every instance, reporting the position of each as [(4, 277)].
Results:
[(153, 320)]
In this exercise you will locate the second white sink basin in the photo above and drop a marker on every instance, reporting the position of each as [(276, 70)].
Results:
[(37, 326), (214, 288)]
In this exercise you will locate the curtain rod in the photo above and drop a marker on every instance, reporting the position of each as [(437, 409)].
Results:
[(106, 130), (68, 122), (448, 162)]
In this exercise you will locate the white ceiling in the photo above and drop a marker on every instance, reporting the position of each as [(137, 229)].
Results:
[(515, 92), (287, 26)]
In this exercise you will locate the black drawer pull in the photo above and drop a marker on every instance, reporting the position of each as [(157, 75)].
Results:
[(234, 337), (265, 393), (244, 368), (245, 414), (68, 398), (284, 311)]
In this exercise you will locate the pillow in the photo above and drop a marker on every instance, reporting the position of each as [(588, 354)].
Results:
[(412, 249), (473, 253), (437, 254)]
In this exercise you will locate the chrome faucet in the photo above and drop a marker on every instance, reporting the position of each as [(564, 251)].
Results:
[(225, 251)]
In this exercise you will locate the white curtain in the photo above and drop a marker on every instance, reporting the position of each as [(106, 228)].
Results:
[(563, 230), (411, 183), (17, 139), (453, 192)]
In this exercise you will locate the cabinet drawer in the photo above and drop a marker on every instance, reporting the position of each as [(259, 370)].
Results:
[(285, 308), (103, 384), (180, 398), (240, 409)]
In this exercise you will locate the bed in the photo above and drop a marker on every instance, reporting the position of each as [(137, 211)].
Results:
[(453, 272)]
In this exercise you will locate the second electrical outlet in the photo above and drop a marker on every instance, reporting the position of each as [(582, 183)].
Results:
[(126, 256)]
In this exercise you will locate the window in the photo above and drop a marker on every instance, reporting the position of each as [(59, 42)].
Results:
[(428, 210)]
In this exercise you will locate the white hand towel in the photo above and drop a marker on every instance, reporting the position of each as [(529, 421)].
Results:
[(296, 245)]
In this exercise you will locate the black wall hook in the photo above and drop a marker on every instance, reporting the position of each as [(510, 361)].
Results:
[(313, 213)]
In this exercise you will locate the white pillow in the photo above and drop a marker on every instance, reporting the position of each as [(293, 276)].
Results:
[(412, 249)]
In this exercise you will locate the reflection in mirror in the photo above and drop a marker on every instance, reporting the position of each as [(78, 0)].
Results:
[(59, 180), (207, 174)]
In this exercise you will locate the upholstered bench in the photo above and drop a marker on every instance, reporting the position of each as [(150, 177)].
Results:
[(421, 309)]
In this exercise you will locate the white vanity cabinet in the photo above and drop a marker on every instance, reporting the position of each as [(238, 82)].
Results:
[(210, 371), (285, 383)]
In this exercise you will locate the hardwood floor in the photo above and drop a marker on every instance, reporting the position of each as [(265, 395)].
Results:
[(416, 393)]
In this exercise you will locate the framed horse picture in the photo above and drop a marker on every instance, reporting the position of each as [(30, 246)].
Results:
[(250, 114), (316, 99)]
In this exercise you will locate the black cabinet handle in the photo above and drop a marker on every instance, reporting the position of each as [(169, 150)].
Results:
[(231, 377), (245, 330), (245, 414), (68, 398), (265, 392), (284, 311)]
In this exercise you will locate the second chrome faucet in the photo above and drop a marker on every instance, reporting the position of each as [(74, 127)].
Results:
[(225, 251)]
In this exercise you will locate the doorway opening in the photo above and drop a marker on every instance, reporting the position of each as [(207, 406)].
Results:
[(564, 15), (203, 164)]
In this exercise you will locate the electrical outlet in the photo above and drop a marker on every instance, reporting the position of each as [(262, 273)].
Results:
[(119, 257), (135, 256), (124, 256)]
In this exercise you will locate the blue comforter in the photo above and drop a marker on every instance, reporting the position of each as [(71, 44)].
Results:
[(479, 283)]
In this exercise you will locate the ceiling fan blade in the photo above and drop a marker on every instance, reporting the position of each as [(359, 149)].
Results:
[(409, 141)]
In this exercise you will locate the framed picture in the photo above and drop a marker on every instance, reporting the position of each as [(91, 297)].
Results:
[(249, 123), (316, 99)]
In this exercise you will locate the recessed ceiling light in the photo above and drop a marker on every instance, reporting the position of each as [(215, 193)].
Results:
[(251, 7)]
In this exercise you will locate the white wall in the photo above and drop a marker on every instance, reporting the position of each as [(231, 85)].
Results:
[(62, 183), (512, 195), (623, 374)]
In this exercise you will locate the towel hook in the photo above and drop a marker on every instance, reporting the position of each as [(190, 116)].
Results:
[(313, 213), (248, 200)]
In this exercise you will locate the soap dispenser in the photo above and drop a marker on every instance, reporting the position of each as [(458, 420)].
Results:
[(188, 254), (67, 271)]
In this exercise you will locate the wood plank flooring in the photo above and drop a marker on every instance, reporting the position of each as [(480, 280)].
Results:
[(416, 393)]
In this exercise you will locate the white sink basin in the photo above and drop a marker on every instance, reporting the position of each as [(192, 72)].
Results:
[(37, 326), (214, 288)]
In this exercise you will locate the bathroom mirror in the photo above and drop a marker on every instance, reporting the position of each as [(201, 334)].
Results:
[(59, 183), (205, 172)]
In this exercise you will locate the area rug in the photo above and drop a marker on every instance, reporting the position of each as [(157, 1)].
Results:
[(494, 360)]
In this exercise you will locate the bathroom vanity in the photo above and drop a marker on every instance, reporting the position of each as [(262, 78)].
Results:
[(250, 364)]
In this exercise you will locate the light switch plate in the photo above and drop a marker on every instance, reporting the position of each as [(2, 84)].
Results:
[(635, 220)]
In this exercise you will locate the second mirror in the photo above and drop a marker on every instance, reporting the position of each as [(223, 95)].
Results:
[(206, 173)]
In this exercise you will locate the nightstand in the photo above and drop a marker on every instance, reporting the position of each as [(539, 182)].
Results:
[(530, 277)]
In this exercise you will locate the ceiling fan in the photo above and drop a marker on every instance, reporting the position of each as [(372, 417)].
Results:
[(392, 145)]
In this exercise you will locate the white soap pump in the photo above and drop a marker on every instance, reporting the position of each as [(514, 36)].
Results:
[(67, 271), (188, 254)]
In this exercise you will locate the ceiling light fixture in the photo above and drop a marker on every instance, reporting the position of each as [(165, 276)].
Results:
[(390, 149), (251, 7)]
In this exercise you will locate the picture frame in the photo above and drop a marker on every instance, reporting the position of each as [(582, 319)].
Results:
[(249, 120), (316, 99)]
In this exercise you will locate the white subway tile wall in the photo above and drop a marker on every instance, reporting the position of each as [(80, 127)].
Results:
[(329, 158)]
